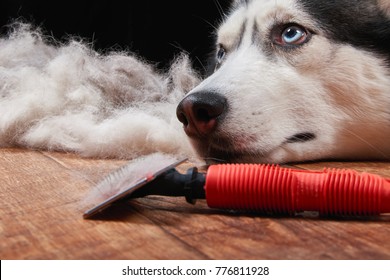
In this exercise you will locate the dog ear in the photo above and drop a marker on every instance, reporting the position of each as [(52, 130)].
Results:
[(383, 5)]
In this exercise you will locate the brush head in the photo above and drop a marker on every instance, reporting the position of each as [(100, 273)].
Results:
[(123, 182), (166, 181)]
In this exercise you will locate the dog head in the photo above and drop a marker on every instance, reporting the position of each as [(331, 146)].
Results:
[(295, 80)]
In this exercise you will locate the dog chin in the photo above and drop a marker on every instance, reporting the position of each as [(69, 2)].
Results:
[(228, 153)]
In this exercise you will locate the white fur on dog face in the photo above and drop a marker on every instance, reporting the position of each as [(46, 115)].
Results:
[(334, 91)]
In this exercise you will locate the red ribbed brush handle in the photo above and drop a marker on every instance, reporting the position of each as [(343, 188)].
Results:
[(276, 189)]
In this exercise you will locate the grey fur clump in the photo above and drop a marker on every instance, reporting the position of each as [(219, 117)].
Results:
[(67, 97)]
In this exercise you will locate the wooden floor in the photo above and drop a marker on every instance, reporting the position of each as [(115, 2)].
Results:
[(41, 218)]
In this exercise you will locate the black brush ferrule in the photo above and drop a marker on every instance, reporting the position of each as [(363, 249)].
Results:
[(173, 183)]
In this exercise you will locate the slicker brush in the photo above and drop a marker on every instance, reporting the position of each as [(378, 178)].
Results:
[(265, 188)]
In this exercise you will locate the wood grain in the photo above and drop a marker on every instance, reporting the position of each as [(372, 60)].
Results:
[(41, 218)]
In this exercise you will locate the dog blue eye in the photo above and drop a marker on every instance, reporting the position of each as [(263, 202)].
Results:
[(292, 35), (220, 54)]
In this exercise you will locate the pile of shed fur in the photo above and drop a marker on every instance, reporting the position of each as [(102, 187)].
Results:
[(67, 97)]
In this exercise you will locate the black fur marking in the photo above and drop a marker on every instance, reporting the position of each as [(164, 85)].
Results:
[(264, 44), (255, 33), (242, 33), (211, 65), (356, 22), (301, 137)]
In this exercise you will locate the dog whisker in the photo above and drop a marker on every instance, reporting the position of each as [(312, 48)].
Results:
[(372, 147), (220, 9)]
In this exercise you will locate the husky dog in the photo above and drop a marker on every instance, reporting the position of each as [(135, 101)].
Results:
[(295, 80)]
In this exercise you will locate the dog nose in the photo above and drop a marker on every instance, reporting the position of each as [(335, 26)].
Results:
[(200, 112)]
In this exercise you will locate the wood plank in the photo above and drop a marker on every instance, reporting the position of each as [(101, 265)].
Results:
[(222, 235), (379, 168), (41, 218)]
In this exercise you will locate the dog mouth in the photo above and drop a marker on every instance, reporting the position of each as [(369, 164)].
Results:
[(215, 155), (226, 149), (243, 148)]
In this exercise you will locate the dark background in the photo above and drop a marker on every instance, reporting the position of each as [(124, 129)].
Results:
[(156, 30)]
